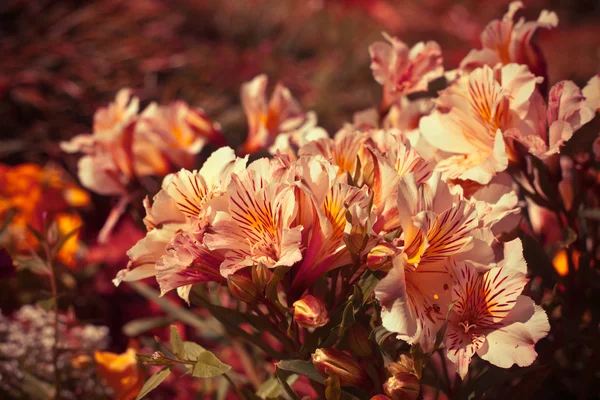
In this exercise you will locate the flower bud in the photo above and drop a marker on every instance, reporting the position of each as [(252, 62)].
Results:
[(358, 341), (334, 362), (381, 257), (380, 397), (310, 312), (261, 276), (242, 288), (402, 386)]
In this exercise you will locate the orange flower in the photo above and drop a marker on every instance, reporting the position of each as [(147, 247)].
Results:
[(27, 192), (121, 373)]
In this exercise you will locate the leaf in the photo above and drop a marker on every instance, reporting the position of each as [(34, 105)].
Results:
[(569, 236), (208, 366), (63, 239), (36, 389), (153, 382), (47, 304), (38, 235), (192, 350), (176, 342), (591, 213), (272, 388), (149, 359), (143, 325), (439, 337), (367, 285), (380, 334), (282, 377), (301, 367)]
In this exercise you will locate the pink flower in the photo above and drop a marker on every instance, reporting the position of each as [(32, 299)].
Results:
[(506, 41), (184, 204), (266, 120), (254, 220), (490, 317), (401, 70), (437, 227), (591, 92), (471, 117), (179, 131), (546, 129), (334, 209)]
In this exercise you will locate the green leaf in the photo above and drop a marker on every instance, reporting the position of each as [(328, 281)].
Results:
[(272, 388), (153, 382), (591, 213), (47, 304), (143, 325), (192, 350), (63, 239), (208, 366), (36, 389), (301, 367), (282, 377), (38, 235), (176, 342)]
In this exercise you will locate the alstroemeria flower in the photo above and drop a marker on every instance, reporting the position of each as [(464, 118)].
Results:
[(401, 70), (591, 92), (333, 199), (546, 129), (186, 261), (114, 153), (255, 222), (490, 317), (266, 119), (185, 199), (471, 117), (437, 227), (345, 150), (121, 373), (179, 131), (506, 41)]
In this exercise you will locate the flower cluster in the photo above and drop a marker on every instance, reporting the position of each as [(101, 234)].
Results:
[(368, 263)]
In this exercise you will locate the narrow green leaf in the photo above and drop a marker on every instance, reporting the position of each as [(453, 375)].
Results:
[(301, 367), (63, 239), (282, 377), (208, 366), (272, 388), (143, 325), (38, 235), (333, 391), (176, 342), (153, 382)]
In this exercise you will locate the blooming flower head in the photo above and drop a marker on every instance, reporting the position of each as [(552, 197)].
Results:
[(401, 70), (281, 114), (490, 317), (546, 129), (437, 227), (254, 220), (125, 146), (472, 116), (508, 41), (335, 208), (174, 245), (179, 131)]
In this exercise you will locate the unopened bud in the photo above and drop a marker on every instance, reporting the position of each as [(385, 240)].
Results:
[(242, 288), (338, 363), (261, 276), (310, 312), (402, 386), (380, 397), (358, 341), (381, 257)]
